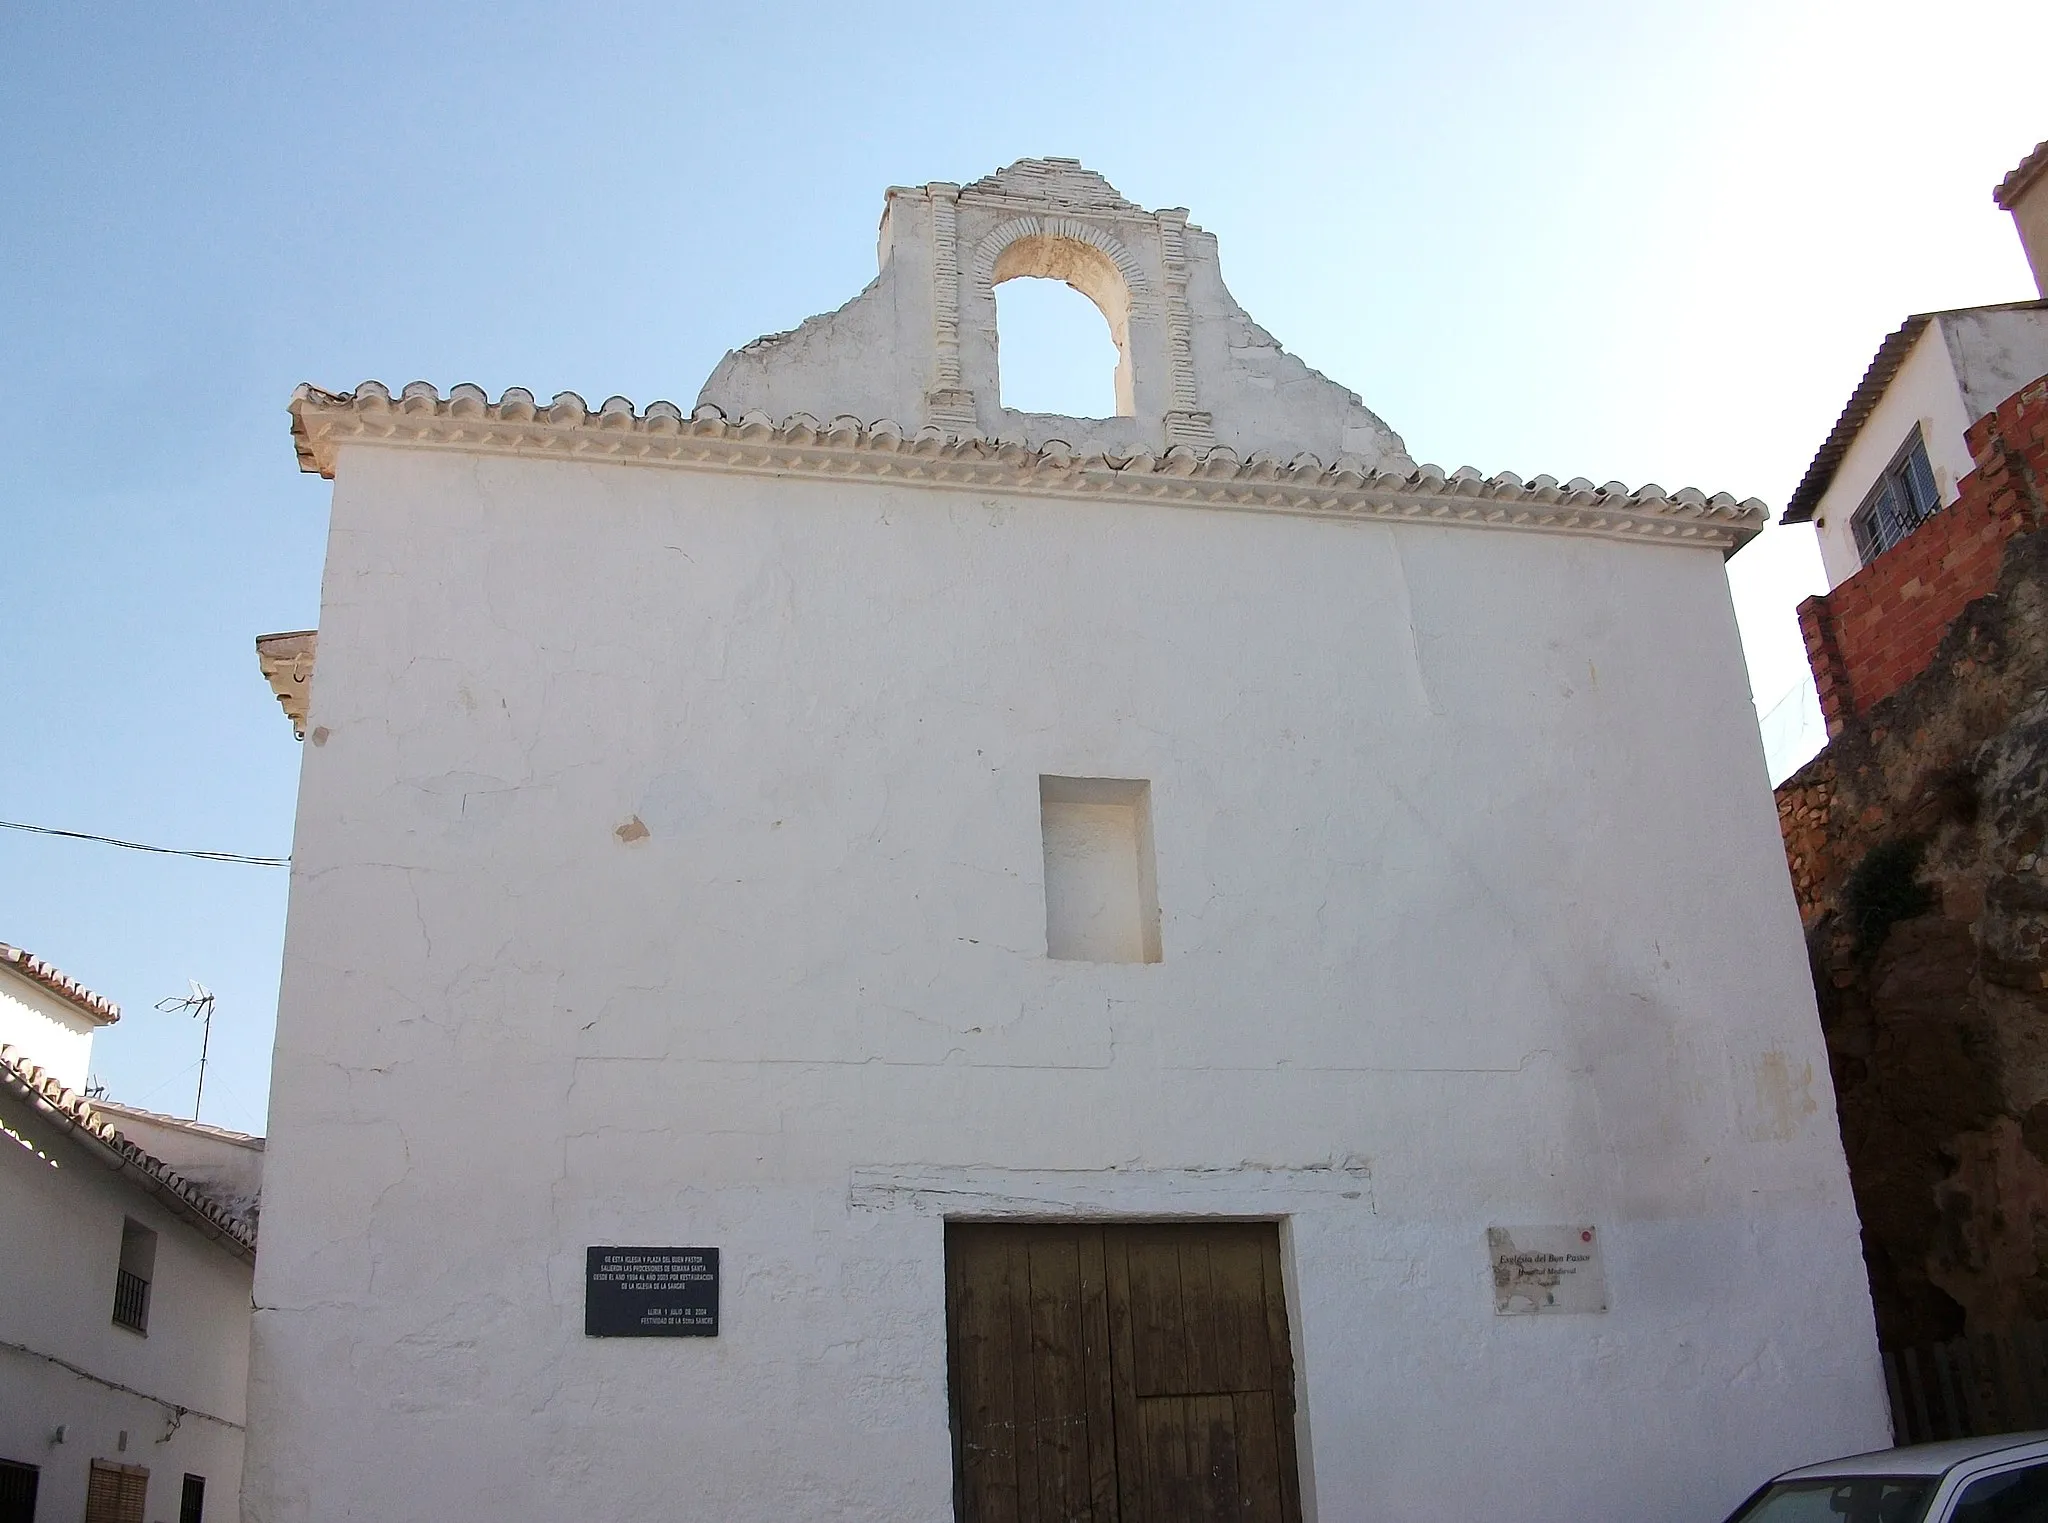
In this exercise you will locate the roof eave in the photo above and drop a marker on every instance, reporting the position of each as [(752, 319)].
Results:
[(1884, 365), (29, 1085), (848, 448), (96, 1008)]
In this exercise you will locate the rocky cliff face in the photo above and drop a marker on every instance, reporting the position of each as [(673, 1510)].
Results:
[(1918, 843)]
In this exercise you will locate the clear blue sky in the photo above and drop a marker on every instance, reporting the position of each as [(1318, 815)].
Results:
[(1646, 241)]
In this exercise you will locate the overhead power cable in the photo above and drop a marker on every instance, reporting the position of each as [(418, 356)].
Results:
[(167, 851)]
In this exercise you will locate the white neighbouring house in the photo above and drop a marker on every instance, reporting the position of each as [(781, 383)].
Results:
[(1897, 453), (50, 1015), (1180, 960), (126, 1244)]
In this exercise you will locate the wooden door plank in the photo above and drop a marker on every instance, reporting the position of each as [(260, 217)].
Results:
[(1123, 1340), (1258, 1458), (1281, 1350), (1006, 1475), (986, 1400), (957, 1394), (1243, 1350), (1097, 1377), (1023, 1377), (1213, 1481), (1199, 1331), (1157, 1316), (1058, 1388), (1163, 1470)]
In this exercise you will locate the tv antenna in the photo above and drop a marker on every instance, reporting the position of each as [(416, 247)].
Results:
[(199, 1005)]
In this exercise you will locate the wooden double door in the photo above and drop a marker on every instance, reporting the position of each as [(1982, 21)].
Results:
[(1130, 1373)]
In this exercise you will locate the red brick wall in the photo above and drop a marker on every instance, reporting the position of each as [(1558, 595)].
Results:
[(1878, 630)]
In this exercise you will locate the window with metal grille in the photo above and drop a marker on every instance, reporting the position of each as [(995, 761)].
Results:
[(132, 1279), (116, 1493), (1904, 498), (18, 1492), (192, 1505)]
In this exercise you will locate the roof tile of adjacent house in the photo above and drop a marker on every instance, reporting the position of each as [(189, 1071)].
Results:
[(1884, 365), (25, 1081), (1891, 354), (103, 1011)]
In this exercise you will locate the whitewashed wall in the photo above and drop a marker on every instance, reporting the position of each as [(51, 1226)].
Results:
[(668, 870), (1925, 394), (1962, 366), (46, 1030), (1996, 351), (61, 1356)]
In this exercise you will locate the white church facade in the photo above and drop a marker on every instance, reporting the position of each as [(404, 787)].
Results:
[(858, 954)]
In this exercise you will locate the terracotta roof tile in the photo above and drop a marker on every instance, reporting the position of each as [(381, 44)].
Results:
[(25, 1081), (104, 1011), (847, 447), (1891, 354)]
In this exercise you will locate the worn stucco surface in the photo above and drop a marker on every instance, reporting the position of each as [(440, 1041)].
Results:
[(1963, 365), (668, 870), (920, 344)]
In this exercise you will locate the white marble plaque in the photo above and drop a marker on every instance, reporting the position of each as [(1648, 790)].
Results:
[(1546, 1269)]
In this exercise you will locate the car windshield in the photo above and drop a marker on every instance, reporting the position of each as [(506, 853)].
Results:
[(1841, 1499)]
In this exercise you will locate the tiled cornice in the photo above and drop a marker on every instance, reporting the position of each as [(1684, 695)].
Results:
[(846, 448)]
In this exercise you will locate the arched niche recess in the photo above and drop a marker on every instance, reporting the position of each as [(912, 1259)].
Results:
[(1088, 270)]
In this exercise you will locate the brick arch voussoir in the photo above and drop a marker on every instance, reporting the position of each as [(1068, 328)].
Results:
[(1019, 228)]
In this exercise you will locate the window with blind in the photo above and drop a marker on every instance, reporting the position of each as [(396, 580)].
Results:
[(116, 1493), (1903, 499)]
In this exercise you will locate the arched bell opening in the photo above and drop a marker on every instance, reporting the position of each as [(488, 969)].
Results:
[(1088, 270)]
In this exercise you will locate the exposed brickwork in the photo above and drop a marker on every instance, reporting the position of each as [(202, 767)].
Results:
[(1918, 848), (1880, 628)]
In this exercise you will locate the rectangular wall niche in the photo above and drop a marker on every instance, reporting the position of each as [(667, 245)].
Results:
[(1101, 897)]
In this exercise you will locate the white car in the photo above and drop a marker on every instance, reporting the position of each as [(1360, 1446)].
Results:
[(1967, 1480)]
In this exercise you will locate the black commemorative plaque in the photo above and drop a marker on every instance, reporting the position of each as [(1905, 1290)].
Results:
[(650, 1293)]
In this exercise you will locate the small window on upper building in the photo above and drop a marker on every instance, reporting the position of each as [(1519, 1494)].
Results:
[(131, 1280), (1904, 498)]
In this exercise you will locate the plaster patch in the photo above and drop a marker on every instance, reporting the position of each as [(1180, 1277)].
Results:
[(1784, 1099), (674, 804), (1241, 1189)]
